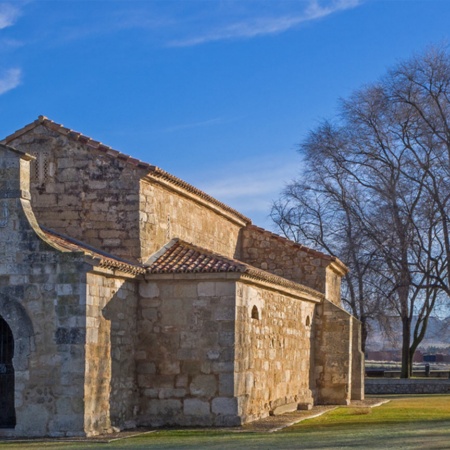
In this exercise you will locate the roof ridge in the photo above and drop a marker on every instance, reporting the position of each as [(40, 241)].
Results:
[(153, 170)]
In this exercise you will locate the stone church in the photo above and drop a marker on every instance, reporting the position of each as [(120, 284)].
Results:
[(130, 298)]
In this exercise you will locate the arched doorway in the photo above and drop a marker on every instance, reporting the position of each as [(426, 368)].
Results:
[(7, 410)]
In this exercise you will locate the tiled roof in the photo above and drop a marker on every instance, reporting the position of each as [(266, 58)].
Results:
[(104, 259), (152, 171), (179, 257)]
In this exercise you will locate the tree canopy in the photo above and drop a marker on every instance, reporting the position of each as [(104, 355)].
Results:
[(375, 192)]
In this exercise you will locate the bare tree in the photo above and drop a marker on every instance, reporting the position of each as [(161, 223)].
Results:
[(376, 193)]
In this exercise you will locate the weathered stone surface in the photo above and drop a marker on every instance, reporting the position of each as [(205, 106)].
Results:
[(98, 349), (196, 407), (203, 386), (225, 406), (283, 409)]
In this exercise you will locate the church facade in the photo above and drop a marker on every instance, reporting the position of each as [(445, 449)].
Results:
[(130, 298)]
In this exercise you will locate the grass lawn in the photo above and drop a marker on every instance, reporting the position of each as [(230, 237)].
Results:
[(404, 423)]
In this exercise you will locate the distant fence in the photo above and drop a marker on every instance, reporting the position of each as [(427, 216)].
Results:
[(378, 386), (383, 373)]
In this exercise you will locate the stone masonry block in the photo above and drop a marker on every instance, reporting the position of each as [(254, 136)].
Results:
[(203, 386), (206, 289), (163, 407), (196, 407), (226, 384), (225, 289), (224, 406)]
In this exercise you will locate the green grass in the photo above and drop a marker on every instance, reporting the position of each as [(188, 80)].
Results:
[(399, 410), (403, 423)]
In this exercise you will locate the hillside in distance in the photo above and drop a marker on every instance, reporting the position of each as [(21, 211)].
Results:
[(437, 335)]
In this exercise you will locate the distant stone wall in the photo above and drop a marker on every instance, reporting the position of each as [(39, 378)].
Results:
[(185, 351), (377, 386), (166, 214), (273, 345)]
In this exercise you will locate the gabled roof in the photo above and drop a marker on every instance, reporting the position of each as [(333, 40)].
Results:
[(180, 257), (101, 258), (152, 172)]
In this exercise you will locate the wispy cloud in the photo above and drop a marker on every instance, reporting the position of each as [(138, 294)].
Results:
[(185, 126), (260, 26), (8, 15), (200, 124), (9, 79), (252, 185)]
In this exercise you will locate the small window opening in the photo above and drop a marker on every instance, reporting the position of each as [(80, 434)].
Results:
[(41, 169), (169, 227), (255, 313), (308, 321), (45, 166)]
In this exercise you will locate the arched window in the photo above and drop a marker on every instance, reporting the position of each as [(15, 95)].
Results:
[(255, 313), (7, 410)]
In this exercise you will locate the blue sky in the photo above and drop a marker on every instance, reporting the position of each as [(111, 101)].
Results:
[(217, 92)]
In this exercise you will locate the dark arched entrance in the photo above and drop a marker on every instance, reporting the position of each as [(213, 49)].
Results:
[(7, 411)]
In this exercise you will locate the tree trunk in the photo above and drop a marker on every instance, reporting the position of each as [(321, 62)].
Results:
[(406, 356), (364, 333)]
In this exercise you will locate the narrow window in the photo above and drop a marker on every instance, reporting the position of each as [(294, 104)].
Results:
[(41, 171), (169, 227), (308, 321), (255, 313)]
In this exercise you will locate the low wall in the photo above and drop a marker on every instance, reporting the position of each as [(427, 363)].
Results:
[(378, 386)]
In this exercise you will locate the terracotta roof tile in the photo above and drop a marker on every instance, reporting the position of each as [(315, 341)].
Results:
[(179, 257)]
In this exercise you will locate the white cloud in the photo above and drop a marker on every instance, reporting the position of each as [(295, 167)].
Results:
[(8, 15), (251, 185), (186, 126), (260, 26), (10, 79)]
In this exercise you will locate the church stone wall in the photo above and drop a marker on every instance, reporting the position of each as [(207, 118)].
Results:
[(185, 352), (102, 200), (338, 371), (82, 192), (272, 352), (110, 383), (47, 288), (282, 257), (42, 298), (166, 214)]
